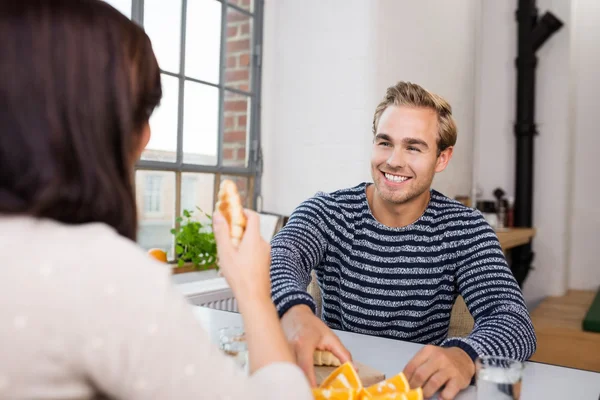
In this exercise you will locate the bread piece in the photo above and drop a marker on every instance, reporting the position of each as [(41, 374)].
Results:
[(230, 206), (325, 358)]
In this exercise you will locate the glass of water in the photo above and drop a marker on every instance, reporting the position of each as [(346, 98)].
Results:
[(232, 342), (498, 378)]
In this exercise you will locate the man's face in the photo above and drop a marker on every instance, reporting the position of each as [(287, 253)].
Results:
[(405, 158)]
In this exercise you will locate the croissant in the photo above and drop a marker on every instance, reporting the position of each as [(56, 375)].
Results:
[(230, 206), (325, 358)]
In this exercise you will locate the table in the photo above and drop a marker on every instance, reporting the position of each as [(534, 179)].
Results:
[(540, 381)]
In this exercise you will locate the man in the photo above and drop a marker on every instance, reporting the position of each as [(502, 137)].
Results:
[(392, 256)]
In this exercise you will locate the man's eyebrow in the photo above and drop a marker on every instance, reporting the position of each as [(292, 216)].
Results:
[(383, 136), (414, 141)]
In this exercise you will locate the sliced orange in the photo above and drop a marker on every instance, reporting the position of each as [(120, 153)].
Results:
[(343, 377), (415, 394), (395, 384), (390, 396), (334, 394), (158, 254)]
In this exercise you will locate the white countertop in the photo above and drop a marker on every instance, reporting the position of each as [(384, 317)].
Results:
[(540, 381)]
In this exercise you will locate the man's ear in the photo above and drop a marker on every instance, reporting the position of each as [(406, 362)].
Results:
[(443, 159)]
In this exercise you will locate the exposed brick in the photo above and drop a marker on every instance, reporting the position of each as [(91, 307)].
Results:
[(242, 86), (232, 61), (232, 31), (230, 121), (235, 137), (244, 60), (244, 29), (234, 16), (228, 154), (238, 45), (237, 75), (242, 121), (241, 154), (236, 105)]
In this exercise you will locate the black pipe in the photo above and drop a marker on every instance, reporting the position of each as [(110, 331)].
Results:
[(532, 34)]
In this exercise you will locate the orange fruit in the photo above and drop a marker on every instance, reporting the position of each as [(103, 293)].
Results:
[(395, 384), (415, 394), (343, 377), (158, 254), (390, 396), (334, 394)]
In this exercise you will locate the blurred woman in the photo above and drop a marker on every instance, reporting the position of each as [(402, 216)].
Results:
[(85, 313)]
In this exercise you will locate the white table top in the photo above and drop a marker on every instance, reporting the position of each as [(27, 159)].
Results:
[(540, 381)]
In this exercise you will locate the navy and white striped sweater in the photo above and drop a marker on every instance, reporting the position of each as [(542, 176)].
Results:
[(402, 282)]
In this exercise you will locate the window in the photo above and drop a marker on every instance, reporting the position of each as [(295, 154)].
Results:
[(188, 192), (152, 194), (206, 128)]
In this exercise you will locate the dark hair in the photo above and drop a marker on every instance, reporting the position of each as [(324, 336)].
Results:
[(78, 82)]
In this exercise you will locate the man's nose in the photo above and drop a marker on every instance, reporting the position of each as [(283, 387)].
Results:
[(396, 159)]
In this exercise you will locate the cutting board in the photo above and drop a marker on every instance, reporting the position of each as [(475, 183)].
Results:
[(368, 375)]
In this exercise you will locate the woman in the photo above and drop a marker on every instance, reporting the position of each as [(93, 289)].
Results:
[(85, 313)]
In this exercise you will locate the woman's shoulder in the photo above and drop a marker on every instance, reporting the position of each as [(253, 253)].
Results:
[(87, 251)]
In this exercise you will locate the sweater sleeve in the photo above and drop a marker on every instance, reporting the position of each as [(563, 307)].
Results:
[(143, 342), (503, 326), (296, 250)]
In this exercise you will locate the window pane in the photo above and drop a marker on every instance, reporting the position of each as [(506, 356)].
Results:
[(155, 197), (124, 6), (235, 136), (197, 191), (162, 21), (243, 184), (238, 58), (245, 4), (200, 124), (163, 124), (203, 40)]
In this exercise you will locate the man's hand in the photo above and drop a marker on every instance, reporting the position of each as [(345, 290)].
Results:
[(306, 333), (435, 367)]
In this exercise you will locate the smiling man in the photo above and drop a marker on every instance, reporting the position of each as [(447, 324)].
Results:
[(392, 256)]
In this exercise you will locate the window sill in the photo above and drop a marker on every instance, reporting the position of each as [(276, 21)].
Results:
[(201, 287)]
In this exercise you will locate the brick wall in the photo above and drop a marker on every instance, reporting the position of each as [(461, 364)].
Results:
[(237, 75)]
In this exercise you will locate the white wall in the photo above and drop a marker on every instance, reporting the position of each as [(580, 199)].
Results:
[(495, 150), (584, 258), (567, 221), (327, 65)]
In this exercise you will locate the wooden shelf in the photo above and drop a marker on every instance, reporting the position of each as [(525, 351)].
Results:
[(514, 237)]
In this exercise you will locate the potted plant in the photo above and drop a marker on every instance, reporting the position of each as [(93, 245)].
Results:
[(195, 245)]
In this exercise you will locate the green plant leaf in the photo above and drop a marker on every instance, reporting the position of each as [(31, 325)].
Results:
[(179, 249), (178, 219), (180, 262), (187, 214)]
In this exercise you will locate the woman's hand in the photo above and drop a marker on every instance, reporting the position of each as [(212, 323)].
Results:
[(245, 268)]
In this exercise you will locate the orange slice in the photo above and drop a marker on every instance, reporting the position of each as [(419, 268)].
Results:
[(390, 396), (395, 384), (343, 377), (334, 394), (415, 394)]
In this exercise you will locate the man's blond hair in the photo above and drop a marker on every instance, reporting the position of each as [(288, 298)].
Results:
[(413, 95)]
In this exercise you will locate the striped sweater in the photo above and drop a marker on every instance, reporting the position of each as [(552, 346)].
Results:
[(402, 282)]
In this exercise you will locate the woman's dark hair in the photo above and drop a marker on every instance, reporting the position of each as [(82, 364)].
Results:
[(78, 82)]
